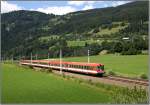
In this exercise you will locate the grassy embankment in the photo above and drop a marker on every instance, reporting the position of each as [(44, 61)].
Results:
[(23, 85)]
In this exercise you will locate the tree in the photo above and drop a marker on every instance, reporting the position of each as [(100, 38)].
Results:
[(118, 47), (96, 30)]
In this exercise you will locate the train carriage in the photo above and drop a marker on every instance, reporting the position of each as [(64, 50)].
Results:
[(80, 67)]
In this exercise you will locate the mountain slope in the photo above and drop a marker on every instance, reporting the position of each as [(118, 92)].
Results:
[(21, 30)]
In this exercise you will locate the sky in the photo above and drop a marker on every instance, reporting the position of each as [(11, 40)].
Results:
[(57, 7)]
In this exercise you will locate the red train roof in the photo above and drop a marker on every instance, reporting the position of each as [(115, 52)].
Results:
[(77, 63), (64, 62)]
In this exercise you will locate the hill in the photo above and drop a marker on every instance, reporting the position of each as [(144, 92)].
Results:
[(22, 30)]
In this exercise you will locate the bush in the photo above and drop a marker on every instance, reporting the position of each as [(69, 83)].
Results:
[(49, 70), (104, 26), (130, 96), (143, 76), (111, 73), (122, 24), (90, 81), (96, 30), (131, 51)]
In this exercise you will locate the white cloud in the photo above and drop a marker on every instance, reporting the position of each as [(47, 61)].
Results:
[(7, 7), (86, 7), (116, 3), (79, 3), (76, 3), (56, 10), (105, 5)]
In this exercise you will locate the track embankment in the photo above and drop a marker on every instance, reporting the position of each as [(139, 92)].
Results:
[(112, 80)]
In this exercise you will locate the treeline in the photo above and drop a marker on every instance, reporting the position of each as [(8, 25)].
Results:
[(22, 29)]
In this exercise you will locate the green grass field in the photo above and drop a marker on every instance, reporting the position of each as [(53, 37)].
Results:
[(23, 85), (133, 65)]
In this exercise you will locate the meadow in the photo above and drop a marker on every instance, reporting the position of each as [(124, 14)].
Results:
[(83, 43), (126, 65), (23, 85)]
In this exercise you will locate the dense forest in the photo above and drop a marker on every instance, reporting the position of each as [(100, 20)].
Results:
[(122, 29)]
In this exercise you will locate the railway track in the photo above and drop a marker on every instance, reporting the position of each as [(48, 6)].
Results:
[(114, 80), (129, 80)]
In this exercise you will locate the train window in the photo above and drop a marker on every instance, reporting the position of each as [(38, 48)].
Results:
[(100, 67), (85, 67), (91, 68), (80, 66)]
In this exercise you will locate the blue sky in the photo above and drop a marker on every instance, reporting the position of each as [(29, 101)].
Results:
[(57, 7)]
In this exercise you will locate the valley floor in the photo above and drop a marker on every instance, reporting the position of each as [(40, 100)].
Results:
[(25, 85)]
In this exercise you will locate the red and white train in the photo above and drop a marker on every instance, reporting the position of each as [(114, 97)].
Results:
[(80, 67)]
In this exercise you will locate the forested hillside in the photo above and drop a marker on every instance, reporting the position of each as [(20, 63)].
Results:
[(24, 32)]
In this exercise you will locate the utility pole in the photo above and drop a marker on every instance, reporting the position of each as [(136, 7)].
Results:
[(48, 59), (88, 56), (36, 56), (1, 59), (48, 55), (60, 61), (19, 58), (31, 58), (12, 59)]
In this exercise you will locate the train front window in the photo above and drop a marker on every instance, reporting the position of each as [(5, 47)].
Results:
[(100, 67)]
